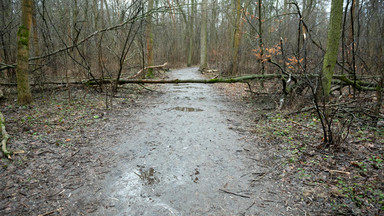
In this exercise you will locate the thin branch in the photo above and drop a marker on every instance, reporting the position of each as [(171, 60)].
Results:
[(131, 20), (239, 195)]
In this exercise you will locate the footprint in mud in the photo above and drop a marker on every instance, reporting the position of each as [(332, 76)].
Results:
[(152, 144), (147, 175), (194, 177)]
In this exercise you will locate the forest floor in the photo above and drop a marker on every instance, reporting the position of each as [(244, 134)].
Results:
[(80, 158)]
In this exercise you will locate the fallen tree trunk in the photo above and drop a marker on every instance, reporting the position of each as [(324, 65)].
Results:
[(5, 136), (359, 85), (151, 81), (362, 86), (206, 81)]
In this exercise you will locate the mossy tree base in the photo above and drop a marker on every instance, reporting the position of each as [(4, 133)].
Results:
[(5, 136)]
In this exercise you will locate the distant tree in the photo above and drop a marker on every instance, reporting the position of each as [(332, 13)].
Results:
[(24, 95), (190, 27)]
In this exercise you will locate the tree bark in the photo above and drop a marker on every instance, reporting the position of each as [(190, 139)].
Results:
[(149, 37), (24, 96), (36, 48), (236, 39), (330, 58), (187, 29), (261, 44), (203, 37), (191, 25)]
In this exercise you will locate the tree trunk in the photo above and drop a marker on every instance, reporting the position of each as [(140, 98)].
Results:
[(334, 33), (107, 11), (203, 37), (191, 25), (149, 37), (205, 81), (6, 12), (24, 96), (285, 21), (36, 49), (187, 29), (261, 45), (352, 42), (236, 39)]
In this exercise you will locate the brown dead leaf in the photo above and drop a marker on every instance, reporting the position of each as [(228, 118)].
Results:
[(355, 164)]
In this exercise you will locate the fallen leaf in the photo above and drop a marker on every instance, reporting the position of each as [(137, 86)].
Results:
[(19, 152)]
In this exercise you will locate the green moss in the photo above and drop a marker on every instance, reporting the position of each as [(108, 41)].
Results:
[(213, 80), (150, 74), (23, 31), (23, 35)]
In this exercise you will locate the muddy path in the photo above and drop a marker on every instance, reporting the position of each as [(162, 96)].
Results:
[(179, 155)]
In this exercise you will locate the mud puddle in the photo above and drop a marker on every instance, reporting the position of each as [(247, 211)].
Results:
[(187, 109), (183, 159)]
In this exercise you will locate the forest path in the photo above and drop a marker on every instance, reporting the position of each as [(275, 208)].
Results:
[(177, 156)]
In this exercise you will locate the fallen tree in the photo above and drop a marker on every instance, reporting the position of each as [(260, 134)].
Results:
[(339, 79), (360, 85), (206, 81)]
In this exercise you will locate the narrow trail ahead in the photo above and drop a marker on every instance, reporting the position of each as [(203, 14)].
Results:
[(178, 156)]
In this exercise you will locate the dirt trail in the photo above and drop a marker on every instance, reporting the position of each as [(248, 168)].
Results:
[(176, 157)]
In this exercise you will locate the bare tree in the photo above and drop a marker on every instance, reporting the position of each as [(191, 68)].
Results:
[(204, 37), (149, 37), (24, 95), (236, 38), (190, 27)]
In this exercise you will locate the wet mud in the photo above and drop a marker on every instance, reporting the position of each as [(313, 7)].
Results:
[(180, 156)]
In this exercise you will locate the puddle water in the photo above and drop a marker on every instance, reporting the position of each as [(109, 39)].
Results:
[(187, 109)]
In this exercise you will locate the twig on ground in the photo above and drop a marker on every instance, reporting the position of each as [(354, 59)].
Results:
[(228, 192), (75, 153), (338, 171), (248, 208), (51, 212)]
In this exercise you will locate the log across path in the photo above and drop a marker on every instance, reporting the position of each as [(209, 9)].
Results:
[(179, 157)]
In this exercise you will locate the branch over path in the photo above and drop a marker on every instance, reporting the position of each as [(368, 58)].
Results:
[(362, 86)]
